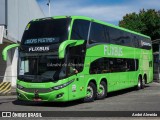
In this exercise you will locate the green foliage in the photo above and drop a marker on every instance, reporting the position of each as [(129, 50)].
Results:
[(146, 22)]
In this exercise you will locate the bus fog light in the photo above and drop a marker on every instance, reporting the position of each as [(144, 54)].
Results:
[(19, 95), (59, 95)]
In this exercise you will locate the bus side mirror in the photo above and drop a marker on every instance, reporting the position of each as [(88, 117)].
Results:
[(5, 50), (66, 43)]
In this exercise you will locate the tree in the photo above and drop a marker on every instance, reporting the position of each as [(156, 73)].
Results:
[(146, 22)]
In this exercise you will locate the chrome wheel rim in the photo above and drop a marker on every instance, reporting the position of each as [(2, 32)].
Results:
[(101, 91), (89, 92)]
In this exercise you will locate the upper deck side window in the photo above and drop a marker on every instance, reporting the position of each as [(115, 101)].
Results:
[(80, 29), (98, 34)]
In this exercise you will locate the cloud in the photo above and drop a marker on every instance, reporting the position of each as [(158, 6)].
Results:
[(102, 12), (150, 4), (106, 12)]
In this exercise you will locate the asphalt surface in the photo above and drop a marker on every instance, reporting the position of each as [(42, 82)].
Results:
[(147, 99)]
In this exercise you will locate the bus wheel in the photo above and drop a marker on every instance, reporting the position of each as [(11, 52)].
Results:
[(139, 86), (91, 92), (102, 93)]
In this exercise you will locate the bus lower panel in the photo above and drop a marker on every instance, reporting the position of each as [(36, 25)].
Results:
[(55, 96)]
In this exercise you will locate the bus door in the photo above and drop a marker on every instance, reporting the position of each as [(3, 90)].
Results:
[(75, 67)]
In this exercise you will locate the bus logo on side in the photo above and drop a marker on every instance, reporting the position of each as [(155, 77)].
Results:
[(145, 43), (113, 50)]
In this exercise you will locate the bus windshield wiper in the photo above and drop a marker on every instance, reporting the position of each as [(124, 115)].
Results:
[(26, 77), (46, 78)]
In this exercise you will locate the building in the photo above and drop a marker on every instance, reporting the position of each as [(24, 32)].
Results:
[(14, 16), (156, 59)]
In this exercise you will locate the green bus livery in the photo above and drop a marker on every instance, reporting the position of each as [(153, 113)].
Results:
[(64, 58)]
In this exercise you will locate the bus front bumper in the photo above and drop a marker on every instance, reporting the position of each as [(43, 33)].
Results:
[(55, 96)]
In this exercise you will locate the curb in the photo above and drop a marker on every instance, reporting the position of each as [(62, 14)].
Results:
[(8, 94), (6, 89), (13, 93)]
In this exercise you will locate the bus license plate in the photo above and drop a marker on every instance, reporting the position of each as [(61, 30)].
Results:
[(37, 99)]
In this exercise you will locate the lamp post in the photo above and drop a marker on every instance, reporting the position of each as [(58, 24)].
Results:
[(49, 8)]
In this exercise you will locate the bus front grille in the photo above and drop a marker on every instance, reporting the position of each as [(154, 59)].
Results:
[(39, 90)]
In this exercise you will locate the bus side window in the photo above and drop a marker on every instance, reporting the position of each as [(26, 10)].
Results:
[(106, 66), (121, 65), (150, 63), (111, 65), (100, 66), (80, 30), (114, 35), (93, 68), (97, 34), (127, 40), (136, 42)]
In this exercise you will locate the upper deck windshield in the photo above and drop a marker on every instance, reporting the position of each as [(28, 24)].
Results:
[(46, 32)]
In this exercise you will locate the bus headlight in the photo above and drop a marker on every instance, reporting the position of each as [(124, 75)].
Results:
[(62, 85), (19, 87)]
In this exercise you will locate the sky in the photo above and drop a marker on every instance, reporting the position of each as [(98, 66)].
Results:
[(111, 11)]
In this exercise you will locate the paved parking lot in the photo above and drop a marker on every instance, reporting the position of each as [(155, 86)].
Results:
[(147, 99)]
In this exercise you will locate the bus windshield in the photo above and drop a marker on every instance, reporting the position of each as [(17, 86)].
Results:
[(41, 68), (46, 32)]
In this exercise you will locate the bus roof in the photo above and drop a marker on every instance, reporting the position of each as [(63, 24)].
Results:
[(97, 21)]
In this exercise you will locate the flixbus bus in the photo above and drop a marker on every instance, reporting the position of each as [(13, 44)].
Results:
[(66, 58)]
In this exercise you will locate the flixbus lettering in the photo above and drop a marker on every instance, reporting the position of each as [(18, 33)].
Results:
[(113, 50)]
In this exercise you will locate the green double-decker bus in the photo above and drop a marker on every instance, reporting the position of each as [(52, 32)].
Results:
[(66, 58)]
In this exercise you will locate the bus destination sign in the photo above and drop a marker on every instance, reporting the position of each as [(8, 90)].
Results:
[(41, 41)]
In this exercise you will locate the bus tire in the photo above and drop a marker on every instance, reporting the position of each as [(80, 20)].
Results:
[(139, 85), (103, 92), (91, 92), (143, 83)]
